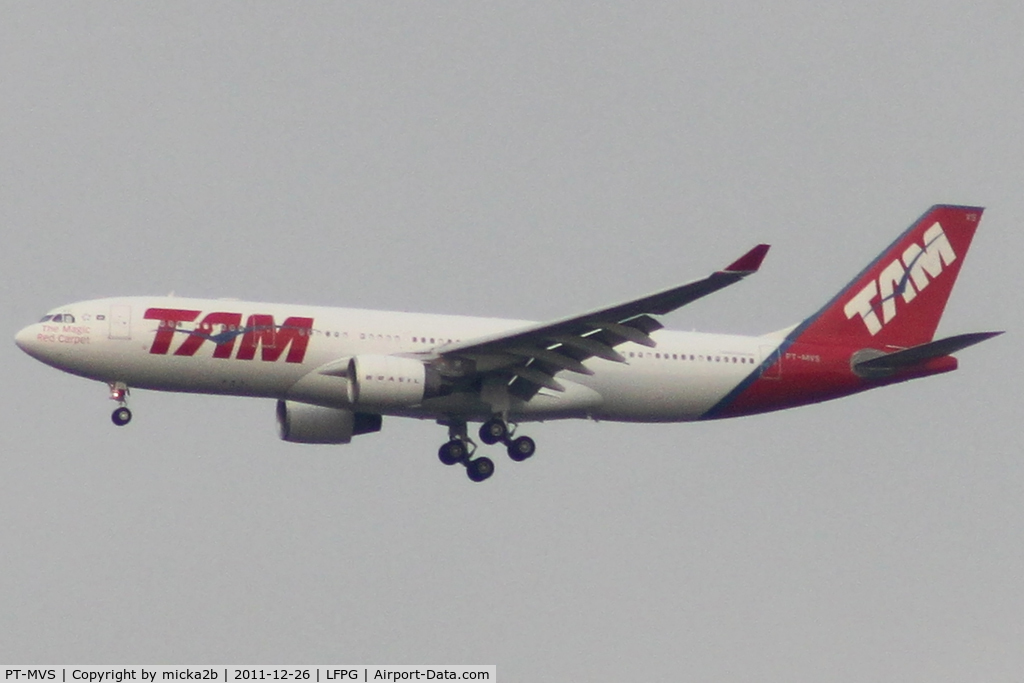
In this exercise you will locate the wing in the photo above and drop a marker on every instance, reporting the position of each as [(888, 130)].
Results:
[(529, 358)]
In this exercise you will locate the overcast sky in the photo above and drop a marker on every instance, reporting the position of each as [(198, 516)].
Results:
[(526, 160)]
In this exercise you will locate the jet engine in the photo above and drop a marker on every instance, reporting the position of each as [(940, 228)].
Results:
[(390, 381), (306, 423)]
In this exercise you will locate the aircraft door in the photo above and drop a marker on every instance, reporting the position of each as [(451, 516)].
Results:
[(120, 321), (773, 368)]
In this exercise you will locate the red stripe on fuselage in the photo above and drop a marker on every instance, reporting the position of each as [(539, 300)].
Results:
[(812, 373)]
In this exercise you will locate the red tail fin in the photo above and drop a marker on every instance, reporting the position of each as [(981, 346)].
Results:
[(898, 299)]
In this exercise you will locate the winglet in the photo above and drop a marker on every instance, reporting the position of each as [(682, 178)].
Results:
[(749, 262)]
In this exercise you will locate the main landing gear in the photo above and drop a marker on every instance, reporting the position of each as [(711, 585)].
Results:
[(460, 448), (496, 429), (459, 451), (121, 415)]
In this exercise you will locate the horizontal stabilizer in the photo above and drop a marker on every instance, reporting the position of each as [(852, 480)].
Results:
[(924, 352)]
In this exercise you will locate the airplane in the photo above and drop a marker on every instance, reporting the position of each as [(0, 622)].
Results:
[(335, 372)]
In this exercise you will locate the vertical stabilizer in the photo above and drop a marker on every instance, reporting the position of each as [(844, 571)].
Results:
[(898, 299)]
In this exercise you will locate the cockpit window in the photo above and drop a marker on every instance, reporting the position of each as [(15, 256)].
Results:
[(46, 319), (59, 318)]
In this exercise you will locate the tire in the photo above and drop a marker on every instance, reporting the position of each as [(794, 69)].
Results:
[(522, 448), (480, 468), (121, 416), (493, 431), (453, 452)]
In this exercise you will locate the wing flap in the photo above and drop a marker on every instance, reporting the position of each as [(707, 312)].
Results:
[(626, 332), (589, 345), (559, 360)]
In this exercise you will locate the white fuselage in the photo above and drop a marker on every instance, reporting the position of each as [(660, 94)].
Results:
[(113, 340)]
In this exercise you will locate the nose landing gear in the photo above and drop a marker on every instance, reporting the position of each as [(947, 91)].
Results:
[(121, 415)]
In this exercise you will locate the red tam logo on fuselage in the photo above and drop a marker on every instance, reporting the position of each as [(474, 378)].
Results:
[(224, 328), (900, 278)]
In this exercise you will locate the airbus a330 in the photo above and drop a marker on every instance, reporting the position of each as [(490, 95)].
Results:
[(335, 372)]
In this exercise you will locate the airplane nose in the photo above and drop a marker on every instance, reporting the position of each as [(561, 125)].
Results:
[(25, 338)]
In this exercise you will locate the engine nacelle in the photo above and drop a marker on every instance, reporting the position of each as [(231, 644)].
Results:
[(389, 381), (306, 423)]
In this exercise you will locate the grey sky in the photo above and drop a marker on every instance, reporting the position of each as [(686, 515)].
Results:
[(522, 160)]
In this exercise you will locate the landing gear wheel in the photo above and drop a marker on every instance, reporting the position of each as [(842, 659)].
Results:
[(522, 448), (493, 431), (480, 468), (121, 416), (453, 452)]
